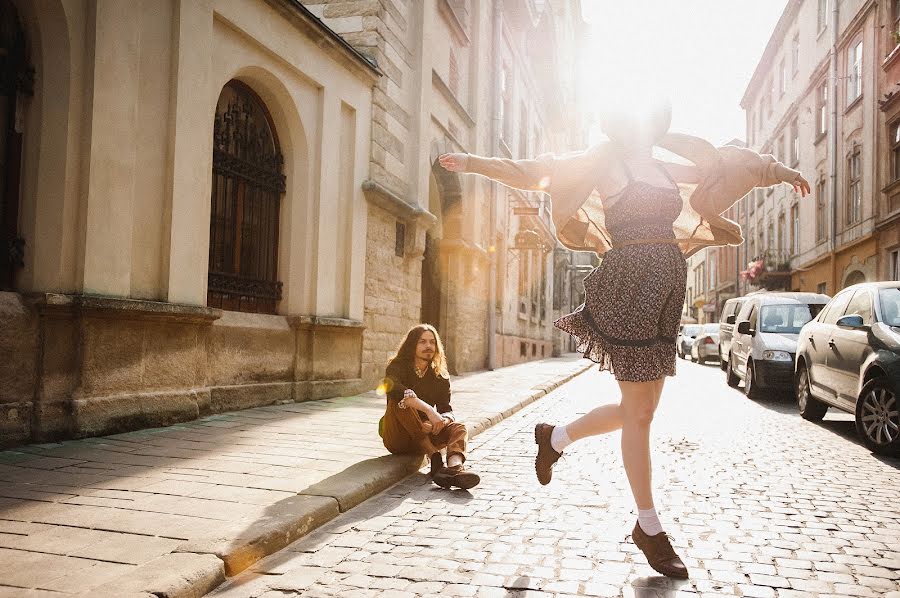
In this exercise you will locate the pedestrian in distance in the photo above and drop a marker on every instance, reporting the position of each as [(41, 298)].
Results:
[(418, 418), (644, 217)]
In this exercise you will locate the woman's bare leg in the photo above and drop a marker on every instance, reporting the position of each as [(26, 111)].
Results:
[(606, 418), (639, 400)]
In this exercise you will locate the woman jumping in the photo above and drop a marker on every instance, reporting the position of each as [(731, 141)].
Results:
[(645, 217)]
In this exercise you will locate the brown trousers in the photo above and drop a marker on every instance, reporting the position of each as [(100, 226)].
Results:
[(403, 434)]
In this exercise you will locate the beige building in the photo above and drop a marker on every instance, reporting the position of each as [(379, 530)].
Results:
[(818, 115), (469, 256), (210, 205)]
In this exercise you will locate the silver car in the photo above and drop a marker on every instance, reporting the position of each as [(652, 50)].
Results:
[(686, 336), (706, 344)]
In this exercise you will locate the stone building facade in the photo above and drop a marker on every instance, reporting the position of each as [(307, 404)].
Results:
[(189, 213), (887, 225), (484, 77), (822, 118), (211, 205)]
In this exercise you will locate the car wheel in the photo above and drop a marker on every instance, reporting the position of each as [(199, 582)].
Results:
[(878, 417), (730, 376), (811, 409), (750, 387), (723, 365)]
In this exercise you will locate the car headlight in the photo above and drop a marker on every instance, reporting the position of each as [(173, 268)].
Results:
[(777, 356)]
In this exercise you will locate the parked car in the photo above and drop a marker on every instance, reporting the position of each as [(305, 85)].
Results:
[(706, 344), (765, 340), (726, 328), (849, 358), (686, 335)]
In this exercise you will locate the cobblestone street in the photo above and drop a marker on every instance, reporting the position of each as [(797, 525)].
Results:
[(760, 502)]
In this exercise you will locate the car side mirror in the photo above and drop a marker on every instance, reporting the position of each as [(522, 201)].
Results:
[(731, 319), (744, 328), (852, 322)]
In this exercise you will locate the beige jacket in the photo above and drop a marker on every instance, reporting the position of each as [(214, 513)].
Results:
[(726, 175)]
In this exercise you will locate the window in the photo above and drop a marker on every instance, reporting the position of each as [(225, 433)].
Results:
[(795, 142), (787, 319), (795, 54), (247, 184), (523, 131), (782, 78), (861, 305), (854, 72), (894, 262), (781, 233), (523, 282), (821, 288), (506, 104), (895, 19), (754, 316), (712, 268), (836, 308), (795, 229), (770, 92), (854, 194), (895, 151), (890, 306), (822, 15), (820, 209), (752, 237), (453, 79), (822, 109), (771, 234)]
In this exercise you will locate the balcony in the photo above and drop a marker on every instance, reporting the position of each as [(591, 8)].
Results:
[(771, 270)]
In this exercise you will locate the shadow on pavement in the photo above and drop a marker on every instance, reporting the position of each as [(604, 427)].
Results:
[(656, 586)]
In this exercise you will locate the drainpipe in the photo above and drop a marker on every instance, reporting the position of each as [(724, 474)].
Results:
[(495, 192), (832, 140)]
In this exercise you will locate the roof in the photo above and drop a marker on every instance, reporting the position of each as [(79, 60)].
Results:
[(775, 298), (880, 284), (787, 19)]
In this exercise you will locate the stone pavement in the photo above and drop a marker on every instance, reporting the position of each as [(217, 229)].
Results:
[(760, 502), (170, 511)]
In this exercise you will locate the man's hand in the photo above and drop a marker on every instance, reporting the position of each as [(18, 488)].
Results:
[(437, 423), (801, 186)]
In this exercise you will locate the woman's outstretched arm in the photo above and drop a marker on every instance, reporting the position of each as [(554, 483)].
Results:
[(528, 175)]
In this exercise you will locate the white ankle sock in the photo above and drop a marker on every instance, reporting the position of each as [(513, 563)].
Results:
[(559, 439), (649, 521)]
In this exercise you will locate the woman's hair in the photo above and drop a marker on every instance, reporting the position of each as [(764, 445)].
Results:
[(406, 352), (630, 125)]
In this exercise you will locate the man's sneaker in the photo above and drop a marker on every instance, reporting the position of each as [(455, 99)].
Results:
[(437, 462), (456, 476), (546, 455)]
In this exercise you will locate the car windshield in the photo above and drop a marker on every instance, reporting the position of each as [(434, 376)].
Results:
[(690, 330), (890, 306), (787, 319), (707, 328)]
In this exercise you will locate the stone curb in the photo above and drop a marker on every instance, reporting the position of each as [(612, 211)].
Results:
[(199, 566)]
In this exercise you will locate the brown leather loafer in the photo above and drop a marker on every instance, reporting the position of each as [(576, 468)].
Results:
[(659, 552), (456, 476), (546, 455)]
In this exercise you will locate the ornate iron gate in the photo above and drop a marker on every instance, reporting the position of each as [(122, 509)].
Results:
[(248, 183)]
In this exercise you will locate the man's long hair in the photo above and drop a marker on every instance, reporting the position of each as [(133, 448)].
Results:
[(406, 352)]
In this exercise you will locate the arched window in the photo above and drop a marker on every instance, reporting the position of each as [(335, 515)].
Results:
[(16, 82), (247, 186)]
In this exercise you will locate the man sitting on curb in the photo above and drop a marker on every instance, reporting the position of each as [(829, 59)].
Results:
[(418, 417)]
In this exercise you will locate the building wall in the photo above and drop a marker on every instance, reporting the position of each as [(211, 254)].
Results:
[(856, 127), (115, 212), (441, 66)]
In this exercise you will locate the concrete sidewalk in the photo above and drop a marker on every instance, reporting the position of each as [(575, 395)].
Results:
[(171, 511)]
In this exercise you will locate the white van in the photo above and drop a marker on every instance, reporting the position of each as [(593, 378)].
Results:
[(765, 339)]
